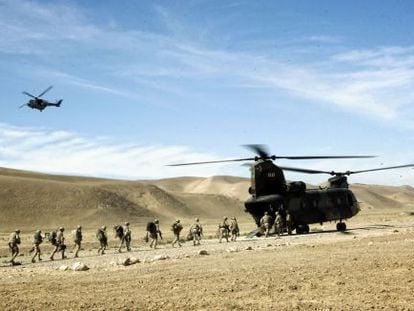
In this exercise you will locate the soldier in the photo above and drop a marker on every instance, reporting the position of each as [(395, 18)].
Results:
[(14, 242), (234, 229), (278, 224), (59, 244), (224, 230), (176, 229), (103, 240), (119, 233), (196, 231), (153, 232), (289, 223), (77, 239), (266, 223), (126, 237), (37, 240)]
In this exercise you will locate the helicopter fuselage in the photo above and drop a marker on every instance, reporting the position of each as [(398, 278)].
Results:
[(306, 207), (271, 193), (41, 104)]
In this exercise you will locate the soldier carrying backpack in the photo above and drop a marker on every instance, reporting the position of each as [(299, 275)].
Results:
[(176, 229), (58, 240), (126, 237), (77, 238), (37, 240), (153, 231), (103, 240)]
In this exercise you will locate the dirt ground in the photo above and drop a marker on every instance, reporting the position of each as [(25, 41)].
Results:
[(371, 266)]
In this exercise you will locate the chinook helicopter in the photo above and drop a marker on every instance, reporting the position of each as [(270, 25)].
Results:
[(38, 103), (271, 193)]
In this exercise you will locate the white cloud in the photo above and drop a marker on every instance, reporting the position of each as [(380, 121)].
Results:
[(71, 153)]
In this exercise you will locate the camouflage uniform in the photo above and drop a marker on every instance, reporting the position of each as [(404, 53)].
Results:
[(60, 244), (14, 242), (126, 238), (103, 240), (234, 229), (278, 224), (78, 240), (266, 223), (224, 230), (37, 240), (196, 231), (176, 228)]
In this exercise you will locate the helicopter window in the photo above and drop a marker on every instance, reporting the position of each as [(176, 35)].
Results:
[(315, 203), (339, 201)]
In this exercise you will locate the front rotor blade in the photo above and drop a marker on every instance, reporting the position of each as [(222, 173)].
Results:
[(305, 170), (260, 150), (322, 157), (379, 169), (28, 94), (23, 105), (45, 91), (209, 162)]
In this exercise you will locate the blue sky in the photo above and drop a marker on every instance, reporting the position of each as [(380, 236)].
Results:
[(148, 83)]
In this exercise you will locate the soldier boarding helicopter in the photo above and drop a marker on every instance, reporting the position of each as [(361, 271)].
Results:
[(38, 103), (271, 193)]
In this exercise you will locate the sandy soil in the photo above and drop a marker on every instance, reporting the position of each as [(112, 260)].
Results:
[(371, 266)]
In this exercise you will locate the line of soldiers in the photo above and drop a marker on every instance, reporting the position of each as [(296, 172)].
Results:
[(123, 233), (267, 222)]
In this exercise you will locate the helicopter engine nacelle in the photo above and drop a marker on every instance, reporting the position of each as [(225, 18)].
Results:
[(297, 187)]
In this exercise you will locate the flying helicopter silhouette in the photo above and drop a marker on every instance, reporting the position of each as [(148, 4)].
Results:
[(271, 193), (38, 103)]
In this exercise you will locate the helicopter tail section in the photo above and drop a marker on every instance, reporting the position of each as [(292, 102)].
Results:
[(59, 103)]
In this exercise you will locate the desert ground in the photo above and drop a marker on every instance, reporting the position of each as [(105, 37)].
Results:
[(370, 266)]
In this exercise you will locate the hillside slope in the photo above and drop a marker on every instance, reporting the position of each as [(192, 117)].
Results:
[(29, 199)]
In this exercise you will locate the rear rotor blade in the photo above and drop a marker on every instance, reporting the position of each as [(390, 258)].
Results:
[(45, 91), (379, 169), (322, 157), (23, 105), (305, 170), (30, 95), (209, 162)]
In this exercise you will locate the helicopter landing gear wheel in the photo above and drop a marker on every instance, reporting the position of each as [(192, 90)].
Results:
[(341, 226)]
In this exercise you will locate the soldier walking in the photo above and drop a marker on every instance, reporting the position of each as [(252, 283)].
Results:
[(59, 244), (119, 233), (278, 224), (176, 229), (37, 240), (224, 230), (266, 223), (78, 240), (126, 238), (153, 232), (234, 229), (14, 242), (196, 231), (103, 240)]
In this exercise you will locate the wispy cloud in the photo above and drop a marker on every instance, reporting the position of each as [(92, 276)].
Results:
[(376, 83), (71, 153)]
